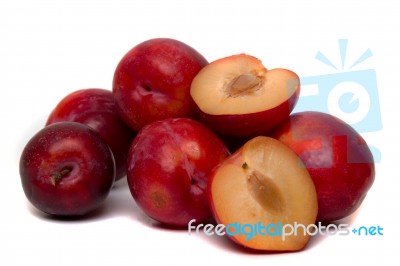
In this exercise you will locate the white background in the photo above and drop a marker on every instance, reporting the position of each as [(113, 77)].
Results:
[(51, 48)]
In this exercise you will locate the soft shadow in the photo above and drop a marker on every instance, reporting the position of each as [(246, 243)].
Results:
[(91, 216), (164, 227), (224, 243), (349, 219), (317, 239), (118, 203)]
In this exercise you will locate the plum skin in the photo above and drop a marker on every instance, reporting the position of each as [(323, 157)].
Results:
[(67, 169), (168, 168), (252, 124), (96, 108), (337, 158), (152, 81)]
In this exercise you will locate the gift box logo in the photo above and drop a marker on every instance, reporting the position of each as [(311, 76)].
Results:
[(351, 95)]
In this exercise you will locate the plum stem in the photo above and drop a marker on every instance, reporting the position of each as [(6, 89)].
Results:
[(56, 177)]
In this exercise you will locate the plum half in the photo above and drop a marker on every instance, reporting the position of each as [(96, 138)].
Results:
[(238, 96), (264, 183)]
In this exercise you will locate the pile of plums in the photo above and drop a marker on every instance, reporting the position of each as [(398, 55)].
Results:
[(199, 140)]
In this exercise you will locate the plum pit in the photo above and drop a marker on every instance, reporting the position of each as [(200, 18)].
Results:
[(245, 84)]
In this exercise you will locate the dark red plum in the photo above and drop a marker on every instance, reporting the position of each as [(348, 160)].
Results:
[(67, 169)]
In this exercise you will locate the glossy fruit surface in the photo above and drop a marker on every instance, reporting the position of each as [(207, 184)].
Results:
[(168, 167), (152, 81), (96, 108), (337, 158), (67, 169)]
